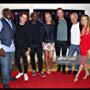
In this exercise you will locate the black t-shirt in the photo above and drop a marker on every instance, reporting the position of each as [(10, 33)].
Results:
[(21, 37), (35, 34)]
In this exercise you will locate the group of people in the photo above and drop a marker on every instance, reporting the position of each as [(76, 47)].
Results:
[(28, 37)]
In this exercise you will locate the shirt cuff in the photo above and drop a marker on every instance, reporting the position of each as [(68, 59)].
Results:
[(0, 46)]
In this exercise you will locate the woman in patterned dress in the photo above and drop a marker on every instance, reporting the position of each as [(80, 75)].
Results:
[(49, 40)]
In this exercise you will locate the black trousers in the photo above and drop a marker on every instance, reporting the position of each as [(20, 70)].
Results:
[(18, 55), (63, 45), (37, 50)]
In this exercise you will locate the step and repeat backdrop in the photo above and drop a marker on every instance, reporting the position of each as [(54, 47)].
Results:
[(16, 14), (41, 12)]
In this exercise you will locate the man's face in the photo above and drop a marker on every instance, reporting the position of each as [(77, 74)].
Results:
[(23, 18), (34, 17), (60, 14), (7, 14), (73, 19)]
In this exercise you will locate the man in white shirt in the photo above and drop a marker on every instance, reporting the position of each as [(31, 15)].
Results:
[(7, 29), (75, 41)]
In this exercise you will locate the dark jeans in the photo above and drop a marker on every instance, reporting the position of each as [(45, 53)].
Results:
[(63, 45), (72, 49), (37, 50), (18, 55), (6, 67), (0, 73), (0, 69)]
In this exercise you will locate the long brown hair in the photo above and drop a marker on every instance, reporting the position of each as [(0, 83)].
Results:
[(87, 29)]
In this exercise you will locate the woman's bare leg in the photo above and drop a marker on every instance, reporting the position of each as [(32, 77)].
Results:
[(47, 60), (51, 57), (80, 69), (87, 72)]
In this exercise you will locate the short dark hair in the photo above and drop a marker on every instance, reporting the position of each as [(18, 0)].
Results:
[(59, 9), (33, 13), (5, 10), (24, 13)]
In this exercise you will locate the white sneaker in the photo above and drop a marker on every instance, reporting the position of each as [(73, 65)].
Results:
[(19, 75), (25, 77)]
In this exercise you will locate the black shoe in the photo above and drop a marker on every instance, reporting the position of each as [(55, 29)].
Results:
[(63, 69), (42, 74), (0, 79), (75, 72), (69, 72), (34, 73), (59, 68), (64, 72), (13, 79), (6, 86)]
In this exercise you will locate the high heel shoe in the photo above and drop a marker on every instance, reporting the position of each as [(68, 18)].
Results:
[(86, 76), (76, 78), (48, 71)]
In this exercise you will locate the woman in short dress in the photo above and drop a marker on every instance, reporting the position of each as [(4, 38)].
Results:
[(84, 45), (49, 40)]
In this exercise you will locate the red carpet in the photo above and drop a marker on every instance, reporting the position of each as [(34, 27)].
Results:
[(54, 80)]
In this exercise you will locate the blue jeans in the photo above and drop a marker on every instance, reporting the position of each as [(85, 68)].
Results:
[(72, 49), (6, 66)]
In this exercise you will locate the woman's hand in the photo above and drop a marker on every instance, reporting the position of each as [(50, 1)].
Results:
[(88, 53), (82, 33), (43, 44), (28, 52)]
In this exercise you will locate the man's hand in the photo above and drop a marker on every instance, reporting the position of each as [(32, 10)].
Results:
[(27, 53), (29, 49), (2, 52)]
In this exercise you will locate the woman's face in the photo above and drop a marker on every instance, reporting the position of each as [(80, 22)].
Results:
[(48, 18), (84, 20)]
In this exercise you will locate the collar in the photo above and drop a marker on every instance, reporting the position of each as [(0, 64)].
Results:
[(7, 20)]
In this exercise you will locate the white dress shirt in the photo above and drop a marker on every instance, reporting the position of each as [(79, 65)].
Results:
[(75, 34)]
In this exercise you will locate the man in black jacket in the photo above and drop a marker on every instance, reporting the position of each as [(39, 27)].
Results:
[(21, 45), (35, 43)]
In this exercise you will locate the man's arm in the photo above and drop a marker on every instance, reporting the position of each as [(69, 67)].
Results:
[(0, 31), (2, 52)]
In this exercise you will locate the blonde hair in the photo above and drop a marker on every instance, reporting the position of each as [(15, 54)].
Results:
[(48, 13)]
